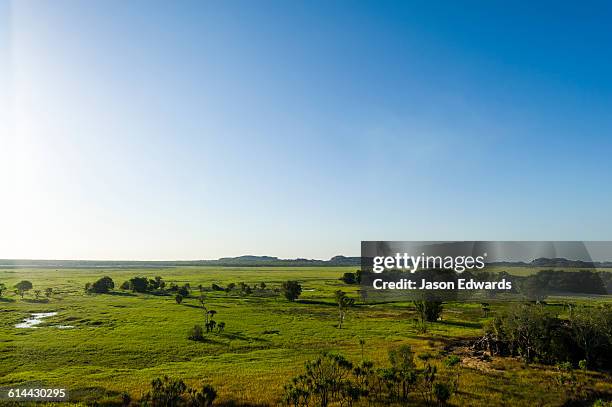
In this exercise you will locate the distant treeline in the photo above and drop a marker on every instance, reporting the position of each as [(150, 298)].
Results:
[(242, 261)]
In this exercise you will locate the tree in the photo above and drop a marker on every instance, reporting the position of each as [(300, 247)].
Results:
[(184, 290), (403, 368), (156, 283), (48, 292), (291, 290), (178, 298), (588, 327), (2, 288), (23, 287), (37, 293), (349, 278), (344, 303), (139, 284), (442, 393), (102, 286), (428, 311), (262, 286)]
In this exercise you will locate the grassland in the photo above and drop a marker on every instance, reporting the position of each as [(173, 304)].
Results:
[(121, 341)]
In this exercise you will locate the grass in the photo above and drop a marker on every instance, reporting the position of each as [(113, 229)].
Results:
[(121, 341)]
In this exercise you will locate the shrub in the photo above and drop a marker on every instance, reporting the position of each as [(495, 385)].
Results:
[(165, 392), (139, 284), (178, 298), (196, 333), (428, 311), (184, 290), (534, 333), (349, 278), (102, 286), (204, 397), (23, 287), (291, 290), (441, 392), (168, 392), (126, 399), (2, 288), (125, 285)]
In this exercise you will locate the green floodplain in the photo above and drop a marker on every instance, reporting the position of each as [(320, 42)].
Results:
[(101, 346)]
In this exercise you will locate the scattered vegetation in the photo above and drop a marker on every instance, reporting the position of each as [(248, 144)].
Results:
[(101, 286), (291, 290), (269, 338), (536, 334), (167, 392), (333, 379), (344, 303), (23, 287)]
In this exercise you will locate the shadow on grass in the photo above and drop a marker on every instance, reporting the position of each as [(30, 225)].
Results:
[(462, 324), (191, 306), (121, 294), (208, 339), (36, 300), (92, 394), (241, 337), (232, 403), (317, 302), (6, 299)]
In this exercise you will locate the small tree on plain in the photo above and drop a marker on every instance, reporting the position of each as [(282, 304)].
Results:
[(102, 286), (344, 303), (178, 298), (139, 284), (291, 290), (23, 287)]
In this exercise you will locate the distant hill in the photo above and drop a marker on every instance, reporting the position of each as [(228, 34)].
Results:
[(557, 262), (240, 261), (270, 261)]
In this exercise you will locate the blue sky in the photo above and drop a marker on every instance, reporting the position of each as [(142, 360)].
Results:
[(187, 130)]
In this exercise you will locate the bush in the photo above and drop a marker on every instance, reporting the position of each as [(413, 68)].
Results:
[(535, 334), (333, 380), (196, 333), (291, 290), (441, 392), (428, 311), (349, 278), (139, 284), (184, 290), (23, 287), (204, 397), (178, 298), (102, 286), (165, 392)]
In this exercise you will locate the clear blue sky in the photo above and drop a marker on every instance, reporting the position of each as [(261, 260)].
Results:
[(187, 130)]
